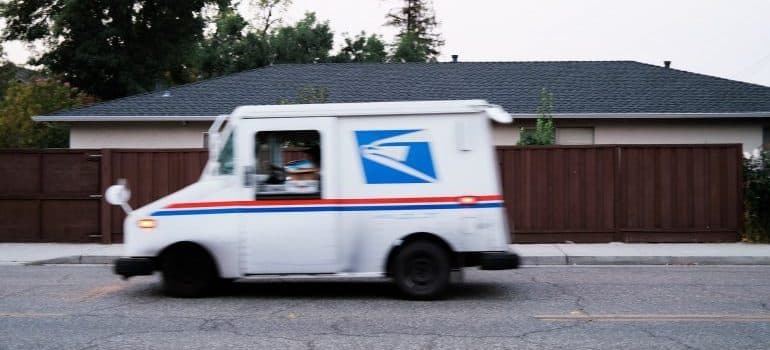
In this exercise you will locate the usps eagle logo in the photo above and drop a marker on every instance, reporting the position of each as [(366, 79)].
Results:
[(396, 156)]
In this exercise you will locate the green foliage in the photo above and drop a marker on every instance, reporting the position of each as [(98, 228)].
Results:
[(308, 94), (409, 49), (37, 97), (544, 131), (417, 41), (230, 48), (10, 72), (111, 48), (362, 48), (756, 196), (308, 41), (234, 46)]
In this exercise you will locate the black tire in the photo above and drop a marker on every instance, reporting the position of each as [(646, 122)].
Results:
[(188, 272), (421, 270)]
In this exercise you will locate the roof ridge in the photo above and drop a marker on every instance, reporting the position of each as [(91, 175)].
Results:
[(703, 75), (448, 62)]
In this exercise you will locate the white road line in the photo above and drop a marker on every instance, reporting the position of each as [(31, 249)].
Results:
[(653, 317)]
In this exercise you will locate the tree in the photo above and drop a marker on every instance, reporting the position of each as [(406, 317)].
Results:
[(409, 49), (543, 133), (416, 39), (111, 48), (362, 48), (10, 72), (266, 13), (234, 46), (37, 97), (231, 48), (308, 41)]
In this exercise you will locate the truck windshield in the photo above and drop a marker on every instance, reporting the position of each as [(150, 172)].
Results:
[(225, 159)]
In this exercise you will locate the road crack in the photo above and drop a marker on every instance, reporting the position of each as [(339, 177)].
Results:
[(669, 338), (579, 300)]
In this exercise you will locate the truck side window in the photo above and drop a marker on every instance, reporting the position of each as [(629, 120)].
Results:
[(225, 159), (288, 164)]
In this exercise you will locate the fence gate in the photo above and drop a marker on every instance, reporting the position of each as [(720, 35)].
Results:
[(50, 196)]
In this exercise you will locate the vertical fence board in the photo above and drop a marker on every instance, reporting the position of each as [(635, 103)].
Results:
[(699, 187), (715, 201), (105, 209)]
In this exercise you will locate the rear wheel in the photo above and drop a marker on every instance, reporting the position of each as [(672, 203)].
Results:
[(421, 270), (188, 272)]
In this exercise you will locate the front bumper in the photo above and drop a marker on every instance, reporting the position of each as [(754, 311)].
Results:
[(498, 261), (128, 267)]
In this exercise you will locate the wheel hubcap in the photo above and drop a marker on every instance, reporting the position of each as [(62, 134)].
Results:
[(422, 271), (184, 271)]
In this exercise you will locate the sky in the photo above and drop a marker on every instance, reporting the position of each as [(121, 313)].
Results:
[(729, 39)]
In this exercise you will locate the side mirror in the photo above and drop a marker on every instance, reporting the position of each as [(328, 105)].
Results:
[(498, 114), (119, 195)]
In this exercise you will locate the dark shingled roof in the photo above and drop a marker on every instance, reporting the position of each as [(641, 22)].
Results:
[(577, 87)]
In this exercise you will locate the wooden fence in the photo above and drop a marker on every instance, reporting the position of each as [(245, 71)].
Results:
[(629, 193), (50, 196), (150, 174), (677, 193)]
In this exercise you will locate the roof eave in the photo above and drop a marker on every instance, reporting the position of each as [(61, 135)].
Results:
[(205, 118), (123, 118), (646, 115)]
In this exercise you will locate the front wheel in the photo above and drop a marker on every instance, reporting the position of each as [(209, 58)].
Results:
[(421, 270), (188, 272)]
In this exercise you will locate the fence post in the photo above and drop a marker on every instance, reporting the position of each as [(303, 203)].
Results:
[(40, 192), (105, 209), (741, 186), (617, 206)]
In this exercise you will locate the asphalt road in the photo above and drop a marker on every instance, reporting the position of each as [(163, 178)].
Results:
[(653, 307)]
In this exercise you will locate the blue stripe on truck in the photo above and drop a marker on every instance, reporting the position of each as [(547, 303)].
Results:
[(211, 211)]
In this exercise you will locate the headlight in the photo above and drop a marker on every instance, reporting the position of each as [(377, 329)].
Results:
[(147, 224)]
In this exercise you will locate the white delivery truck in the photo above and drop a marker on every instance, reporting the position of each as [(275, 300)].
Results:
[(406, 190)]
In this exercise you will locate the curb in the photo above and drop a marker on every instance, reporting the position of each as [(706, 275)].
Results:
[(76, 260), (558, 260), (644, 260)]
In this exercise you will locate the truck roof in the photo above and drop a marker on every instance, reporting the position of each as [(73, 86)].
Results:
[(494, 112)]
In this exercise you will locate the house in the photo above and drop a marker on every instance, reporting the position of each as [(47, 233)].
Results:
[(604, 102)]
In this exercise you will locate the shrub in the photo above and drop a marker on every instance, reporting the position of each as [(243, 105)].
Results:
[(543, 134), (756, 196)]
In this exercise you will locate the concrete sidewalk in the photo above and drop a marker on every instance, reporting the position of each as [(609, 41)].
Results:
[(58, 253), (531, 254)]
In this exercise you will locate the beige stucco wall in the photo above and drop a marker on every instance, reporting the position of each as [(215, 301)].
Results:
[(190, 135), (746, 132), (138, 135), (750, 135), (506, 134)]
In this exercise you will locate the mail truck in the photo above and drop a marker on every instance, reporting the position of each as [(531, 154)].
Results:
[(404, 190)]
